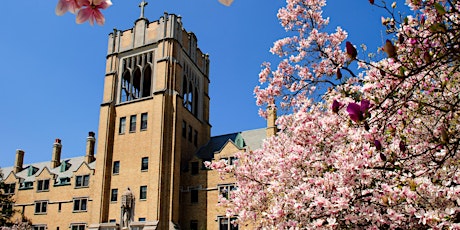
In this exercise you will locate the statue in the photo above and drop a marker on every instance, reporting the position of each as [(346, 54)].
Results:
[(127, 205)]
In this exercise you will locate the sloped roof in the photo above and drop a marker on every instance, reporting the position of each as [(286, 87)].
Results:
[(252, 139), (74, 163)]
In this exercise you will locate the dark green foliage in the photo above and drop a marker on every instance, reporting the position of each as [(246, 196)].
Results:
[(6, 205)]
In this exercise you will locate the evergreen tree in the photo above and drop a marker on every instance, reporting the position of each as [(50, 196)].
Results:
[(6, 204)]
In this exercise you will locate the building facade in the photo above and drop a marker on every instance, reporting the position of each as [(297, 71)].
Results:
[(146, 171)]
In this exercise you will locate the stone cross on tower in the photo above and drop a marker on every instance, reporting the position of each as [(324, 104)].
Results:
[(142, 6)]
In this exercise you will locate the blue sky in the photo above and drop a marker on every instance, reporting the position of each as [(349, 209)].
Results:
[(53, 69)]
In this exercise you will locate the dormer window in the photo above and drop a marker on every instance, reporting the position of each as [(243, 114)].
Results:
[(31, 170)]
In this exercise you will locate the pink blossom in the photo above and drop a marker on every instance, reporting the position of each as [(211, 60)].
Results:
[(67, 5), (358, 112), (335, 106), (91, 11)]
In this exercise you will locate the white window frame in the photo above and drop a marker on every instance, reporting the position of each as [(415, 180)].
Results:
[(42, 187), (43, 205), (39, 227), (229, 222), (83, 184), (78, 226), (80, 206), (228, 188)]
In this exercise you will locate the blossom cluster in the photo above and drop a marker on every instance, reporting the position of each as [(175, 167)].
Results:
[(380, 150), (86, 10), (90, 10)]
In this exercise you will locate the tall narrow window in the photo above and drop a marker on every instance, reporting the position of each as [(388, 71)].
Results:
[(194, 225), (144, 117), (125, 86), (195, 102), (195, 138), (190, 130), (122, 127), (184, 91), (147, 82), (195, 167), (145, 163), (184, 129), (116, 167), (132, 123), (114, 195), (194, 195), (136, 90), (143, 193)]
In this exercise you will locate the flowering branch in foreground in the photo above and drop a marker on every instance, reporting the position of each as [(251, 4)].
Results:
[(90, 10), (390, 160)]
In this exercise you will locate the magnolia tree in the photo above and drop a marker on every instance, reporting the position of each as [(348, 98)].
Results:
[(380, 148)]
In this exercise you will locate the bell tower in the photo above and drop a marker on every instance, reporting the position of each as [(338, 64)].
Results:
[(153, 116)]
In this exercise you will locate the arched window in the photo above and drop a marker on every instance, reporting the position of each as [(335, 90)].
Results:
[(137, 78), (125, 86), (189, 96), (184, 90), (195, 102), (136, 83), (147, 82)]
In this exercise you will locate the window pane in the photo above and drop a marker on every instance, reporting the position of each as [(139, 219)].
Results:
[(143, 192), (44, 205), (195, 167), (76, 205), (194, 196), (116, 167), (144, 121), (122, 125), (83, 204), (145, 163), (193, 225), (37, 207), (223, 224), (184, 129), (78, 181), (114, 196), (195, 138), (190, 130), (86, 180), (132, 123)]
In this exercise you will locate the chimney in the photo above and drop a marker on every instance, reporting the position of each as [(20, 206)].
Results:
[(56, 158), (271, 119), (19, 160), (90, 141)]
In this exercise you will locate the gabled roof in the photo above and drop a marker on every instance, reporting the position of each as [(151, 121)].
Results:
[(73, 164), (252, 139)]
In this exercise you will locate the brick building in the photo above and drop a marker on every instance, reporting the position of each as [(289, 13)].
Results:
[(146, 170)]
